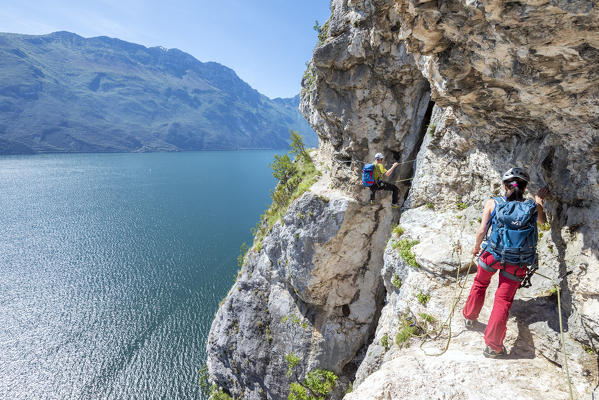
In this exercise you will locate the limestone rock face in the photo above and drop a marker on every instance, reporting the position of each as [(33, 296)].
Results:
[(306, 292), (363, 93), (456, 92), (399, 369)]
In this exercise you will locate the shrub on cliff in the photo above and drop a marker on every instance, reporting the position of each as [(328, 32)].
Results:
[(295, 177), (318, 384)]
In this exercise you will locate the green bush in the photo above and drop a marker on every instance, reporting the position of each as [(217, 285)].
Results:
[(431, 129), (309, 78), (268, 334), (295, 178), (242, 252), (295, 319), (396, 281), (404, 247), (462, 206), (427, 317), (204, 381), (298, 392), (423, 298), (323, 31), (350, 388), (545, 227), (385, 341), (292, 361), (588, 349), (320, 382), (218, 394), (406, 331), (317, 385), (282, 168)]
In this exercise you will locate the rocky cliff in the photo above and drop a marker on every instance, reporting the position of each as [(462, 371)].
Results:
[(457, 92)]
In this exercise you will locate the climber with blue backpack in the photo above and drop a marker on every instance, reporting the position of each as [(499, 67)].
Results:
[(372, 177), (510, 248)]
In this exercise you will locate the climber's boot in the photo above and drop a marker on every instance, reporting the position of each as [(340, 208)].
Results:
[(490, 353)]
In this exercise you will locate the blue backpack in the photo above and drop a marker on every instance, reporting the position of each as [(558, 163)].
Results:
[(514, 235), (368, 175)]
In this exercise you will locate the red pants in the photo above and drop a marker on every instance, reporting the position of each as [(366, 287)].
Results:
[(504, 296)]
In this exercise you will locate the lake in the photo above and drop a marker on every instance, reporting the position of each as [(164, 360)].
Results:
[(112, 267)]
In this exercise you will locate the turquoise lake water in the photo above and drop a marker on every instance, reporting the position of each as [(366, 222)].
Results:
[(113, 265)]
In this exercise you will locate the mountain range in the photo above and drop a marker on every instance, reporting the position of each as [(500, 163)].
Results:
[(64, 93)]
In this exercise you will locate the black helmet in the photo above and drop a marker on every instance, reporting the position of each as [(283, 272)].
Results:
[(516, 173)]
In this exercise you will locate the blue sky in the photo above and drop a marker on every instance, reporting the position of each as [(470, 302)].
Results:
[(267, 42)]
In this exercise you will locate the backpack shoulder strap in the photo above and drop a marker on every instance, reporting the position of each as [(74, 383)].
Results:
[(499, 200)]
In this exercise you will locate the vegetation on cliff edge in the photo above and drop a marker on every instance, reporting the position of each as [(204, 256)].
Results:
[(295, 178)]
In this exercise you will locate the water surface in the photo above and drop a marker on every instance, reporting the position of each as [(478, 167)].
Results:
[(112, 267)]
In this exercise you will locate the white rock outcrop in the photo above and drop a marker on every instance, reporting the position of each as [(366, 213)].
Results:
[(309, 291)]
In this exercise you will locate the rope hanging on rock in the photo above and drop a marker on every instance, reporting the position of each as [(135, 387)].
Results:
[(561, 326), (456, 300)]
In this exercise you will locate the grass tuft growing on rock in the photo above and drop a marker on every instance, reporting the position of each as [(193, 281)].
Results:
[(385, 341), (431, 129), (404, 247), (295, 178), (243, 250), (462, 206), (395, 281), (398, 230), (407, 329), (588, 349), (427, 318), (423, 298)]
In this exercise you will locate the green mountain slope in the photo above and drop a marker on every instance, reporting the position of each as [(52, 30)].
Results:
[(64, 93)]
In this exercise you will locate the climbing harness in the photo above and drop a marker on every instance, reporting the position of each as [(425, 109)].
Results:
[(526, 283)]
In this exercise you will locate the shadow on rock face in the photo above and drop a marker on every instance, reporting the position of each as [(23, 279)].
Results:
[(524, 345)]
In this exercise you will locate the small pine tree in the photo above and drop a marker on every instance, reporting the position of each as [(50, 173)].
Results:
[(297, 144), (282, 168), (316, 26)]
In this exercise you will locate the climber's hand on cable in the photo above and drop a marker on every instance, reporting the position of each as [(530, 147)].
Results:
[(541, 194), (475, 251), (394, 165)]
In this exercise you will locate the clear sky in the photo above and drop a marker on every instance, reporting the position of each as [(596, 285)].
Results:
[(267, 42)]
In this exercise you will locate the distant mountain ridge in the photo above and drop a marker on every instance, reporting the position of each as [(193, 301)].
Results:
[(65, 93)]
